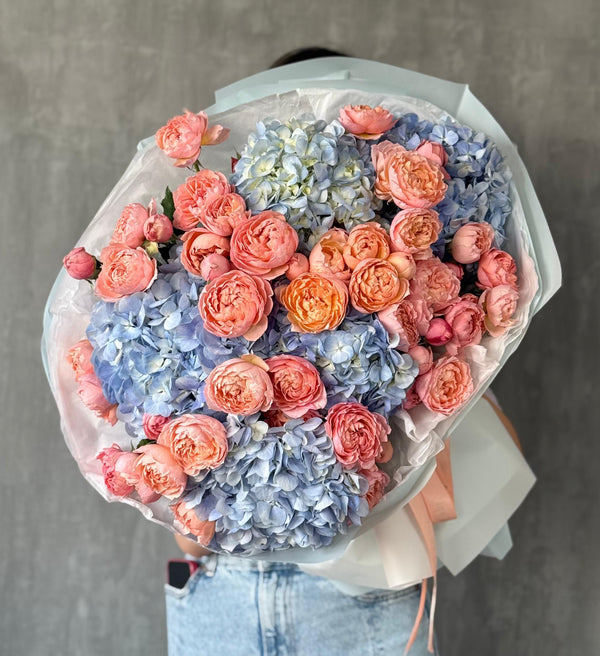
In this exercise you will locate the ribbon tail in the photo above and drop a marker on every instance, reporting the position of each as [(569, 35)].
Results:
[(415, 629)]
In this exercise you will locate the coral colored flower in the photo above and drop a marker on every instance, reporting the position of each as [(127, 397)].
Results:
[(125, 271), (158, 228), (423, 310), (365, 241), (158, 469), (499, 304), (263, 245), (415, 230), (198, 244), (236, 304), (191, 197), (196, 442), (221, 214), (90, 392), (315, 303), (183, 136), (406, 177), (153, 425), (214, 265), (423, 356), (239, 387), (191, 523), (327, 256), (446, 386), (378, 481), (466, 319), (113, 479), (497, 267), (297, 386), (435, 283), (400, 319), (297, 265), (433, 151), (375, 285), (471, 241), (357, 434), (79, 263), (366, 122), (130, 226), (412, 399), (79, 356)]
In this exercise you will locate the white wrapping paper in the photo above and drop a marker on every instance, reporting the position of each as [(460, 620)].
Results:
[(70, 302)]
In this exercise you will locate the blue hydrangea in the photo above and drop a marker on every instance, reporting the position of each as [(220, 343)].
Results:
[(308, 170), (278, 488), (357, 362)]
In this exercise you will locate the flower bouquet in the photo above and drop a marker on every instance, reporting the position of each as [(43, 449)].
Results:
[(291, 303)]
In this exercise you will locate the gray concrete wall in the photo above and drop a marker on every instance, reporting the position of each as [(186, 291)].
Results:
[(81, 81)]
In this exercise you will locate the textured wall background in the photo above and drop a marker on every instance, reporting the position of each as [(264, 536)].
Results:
[(81, 81)]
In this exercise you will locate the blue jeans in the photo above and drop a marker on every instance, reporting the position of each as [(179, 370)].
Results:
[(233, 606)]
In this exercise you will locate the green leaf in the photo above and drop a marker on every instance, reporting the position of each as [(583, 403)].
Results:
[(144, 442), (168, 204)]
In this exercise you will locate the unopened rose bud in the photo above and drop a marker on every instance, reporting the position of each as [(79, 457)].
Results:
[(214, 265), (159, 228), (404, 263), (439, 332), (297, 265), (80, 264)]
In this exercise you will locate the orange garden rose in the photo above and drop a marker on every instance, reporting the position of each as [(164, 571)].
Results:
[(263, 245), (240, 386), (315, 303), (415, 230), (236, 304), (197, 245), (365, 241), (196, 442), (375, 285), (446, 386)]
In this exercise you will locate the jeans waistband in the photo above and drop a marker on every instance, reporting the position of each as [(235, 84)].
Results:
[(212, 561)]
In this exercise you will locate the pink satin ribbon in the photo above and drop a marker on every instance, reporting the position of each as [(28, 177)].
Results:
[(435, 503)]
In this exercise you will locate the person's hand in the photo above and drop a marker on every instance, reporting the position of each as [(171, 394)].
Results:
[(190, 547)]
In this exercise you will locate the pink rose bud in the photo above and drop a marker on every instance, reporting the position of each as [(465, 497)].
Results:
[(471, 241), (423, 357), (158, 227), (412, 398), (439, 332), (297, 265), (80, 264), (433, 151), (214, 265), (153, 425), (404, 264)]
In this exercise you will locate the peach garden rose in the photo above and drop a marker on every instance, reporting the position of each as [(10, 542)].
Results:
[(495, 268), (327, 256), (195, 442), (415, 230), (158, 469), (375, 285), (130, 226), (79, 357), (263, 245), (125, 271), (366, 122), (365, 241), (191, 197), (221, 214), (499, 305), (436, 283), (191, 523), (471, 241), (236, 304), (240, 386), (446, 386), (198, 244)]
